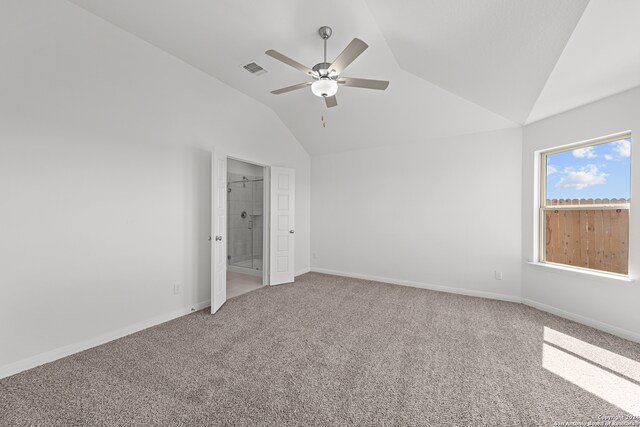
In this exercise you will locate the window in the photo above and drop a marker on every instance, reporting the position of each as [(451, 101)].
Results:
[(584, 205)]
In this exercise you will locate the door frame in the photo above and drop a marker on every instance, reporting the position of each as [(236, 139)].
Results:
[(266, 207)]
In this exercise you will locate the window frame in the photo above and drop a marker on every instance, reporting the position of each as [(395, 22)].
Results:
[(543, 208)]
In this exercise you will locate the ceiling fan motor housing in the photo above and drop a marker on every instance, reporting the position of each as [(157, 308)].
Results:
[(322, 69)]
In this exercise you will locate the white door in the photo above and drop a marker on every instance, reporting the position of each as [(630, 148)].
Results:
[(282, 226), (218, 229)]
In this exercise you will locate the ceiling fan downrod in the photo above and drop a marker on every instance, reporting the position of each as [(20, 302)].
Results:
[(325, 33)]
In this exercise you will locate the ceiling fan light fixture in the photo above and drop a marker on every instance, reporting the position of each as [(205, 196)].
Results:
[(324, 87)]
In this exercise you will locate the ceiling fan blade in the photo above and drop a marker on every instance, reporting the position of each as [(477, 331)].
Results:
[(295, 64), (348, 55), (331, 101), (364, 83), (291, 88)]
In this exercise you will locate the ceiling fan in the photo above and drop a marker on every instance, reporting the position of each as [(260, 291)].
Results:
[(326, 76)]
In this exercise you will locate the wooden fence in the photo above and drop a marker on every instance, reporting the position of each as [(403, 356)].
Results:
[(589, 238)]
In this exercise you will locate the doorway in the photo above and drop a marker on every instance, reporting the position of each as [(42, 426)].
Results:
[(245, 227), (262, 253)]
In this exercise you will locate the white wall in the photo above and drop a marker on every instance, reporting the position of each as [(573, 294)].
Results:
[(445, 213), (605, 303), (105, 179)]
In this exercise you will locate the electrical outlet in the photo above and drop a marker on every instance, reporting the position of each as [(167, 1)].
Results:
[(498, 275), (176, 289)]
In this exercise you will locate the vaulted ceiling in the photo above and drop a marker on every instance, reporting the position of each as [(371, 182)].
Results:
[(455, 66)]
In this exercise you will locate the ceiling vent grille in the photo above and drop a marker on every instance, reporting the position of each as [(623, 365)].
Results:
[(254, 69)]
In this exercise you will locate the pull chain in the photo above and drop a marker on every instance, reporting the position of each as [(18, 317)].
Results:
[(324, 124)]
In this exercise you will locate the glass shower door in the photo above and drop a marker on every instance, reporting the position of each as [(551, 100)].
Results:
[(257, 224), (245, 224)]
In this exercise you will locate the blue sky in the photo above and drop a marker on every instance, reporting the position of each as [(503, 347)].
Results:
[(596, 172)]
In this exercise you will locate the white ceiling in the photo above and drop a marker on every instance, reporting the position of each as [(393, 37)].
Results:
[(495, 53), (602, 58), (456, 66)]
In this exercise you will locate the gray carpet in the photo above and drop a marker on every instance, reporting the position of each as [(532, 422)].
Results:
[(323, 351)]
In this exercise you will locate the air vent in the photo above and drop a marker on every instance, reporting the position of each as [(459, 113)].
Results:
[(254, 68)]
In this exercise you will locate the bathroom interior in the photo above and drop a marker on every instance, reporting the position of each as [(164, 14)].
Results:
[(245, 227)]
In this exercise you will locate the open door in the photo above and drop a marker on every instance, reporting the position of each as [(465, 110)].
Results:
[(218, 229), (282, 248)]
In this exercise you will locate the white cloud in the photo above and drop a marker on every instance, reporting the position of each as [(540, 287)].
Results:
[(584, 177), (623, 148), (608, 157), (588, 152), (551, 170)]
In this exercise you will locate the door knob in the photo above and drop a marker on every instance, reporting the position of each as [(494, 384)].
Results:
[(292, 231), (218, 238)]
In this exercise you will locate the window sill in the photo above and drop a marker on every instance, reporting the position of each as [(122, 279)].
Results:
[(582, 271)]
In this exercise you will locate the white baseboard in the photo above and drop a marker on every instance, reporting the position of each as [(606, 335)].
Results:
[(449, 289), (50, 356), (303, 271), (596, 324), (59, 353)]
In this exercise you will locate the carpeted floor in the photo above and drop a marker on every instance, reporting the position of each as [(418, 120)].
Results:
[(328, 351)]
